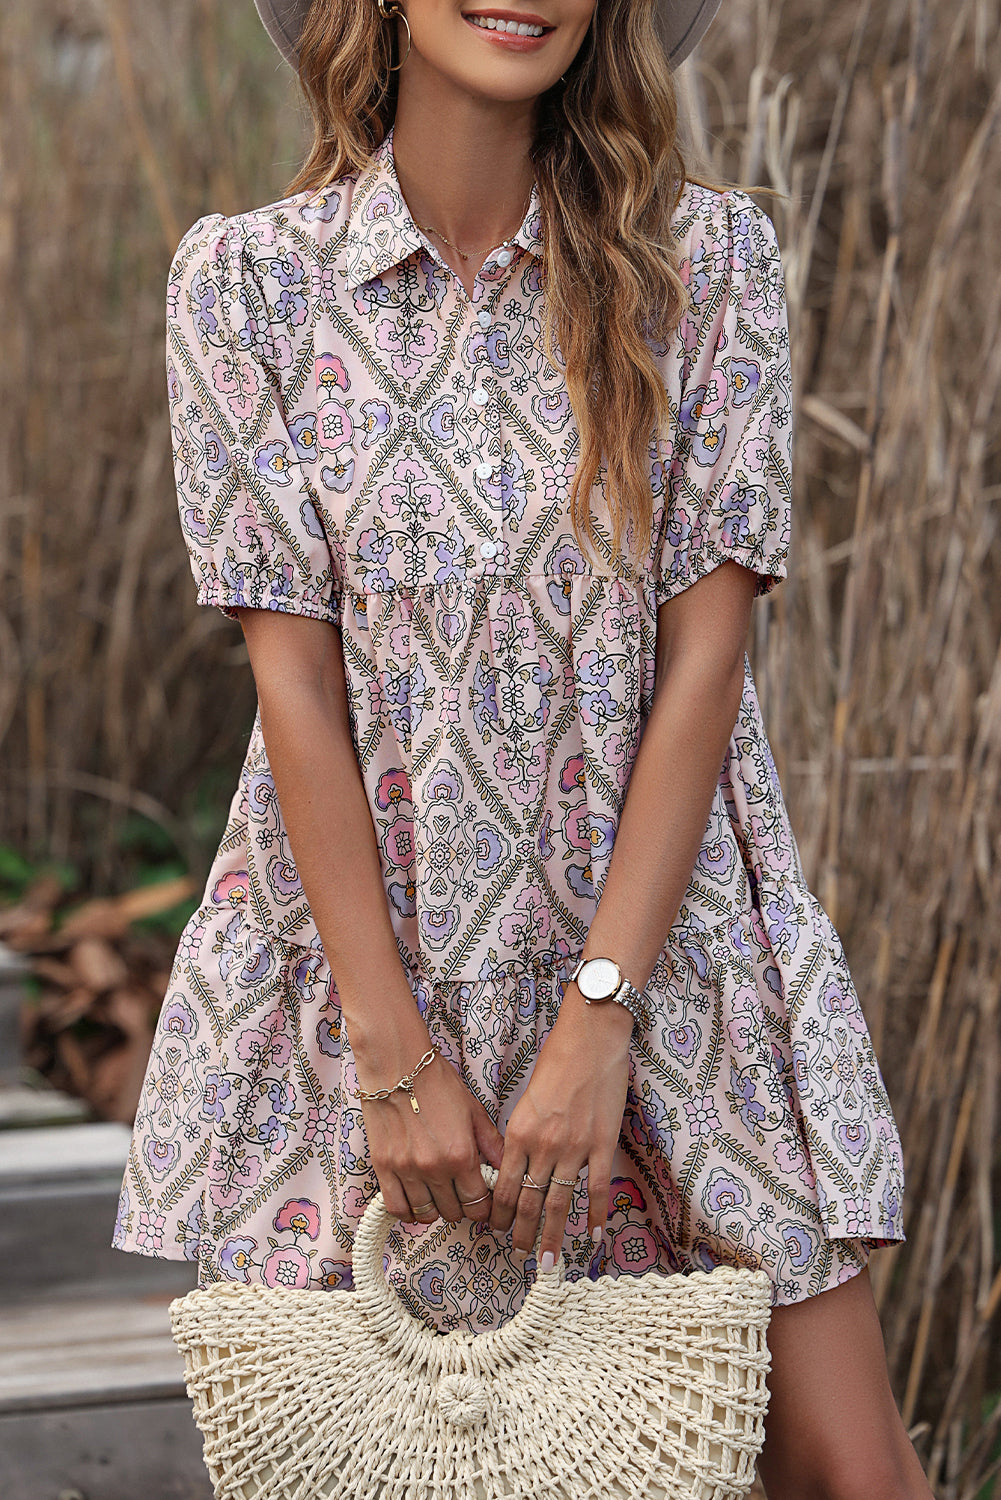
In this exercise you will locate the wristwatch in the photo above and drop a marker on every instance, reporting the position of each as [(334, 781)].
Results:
[(600, 979)]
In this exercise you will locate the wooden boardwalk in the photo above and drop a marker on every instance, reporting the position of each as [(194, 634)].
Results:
[(92, 1400)]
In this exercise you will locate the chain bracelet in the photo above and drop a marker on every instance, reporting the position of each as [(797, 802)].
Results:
[(406, 1083)]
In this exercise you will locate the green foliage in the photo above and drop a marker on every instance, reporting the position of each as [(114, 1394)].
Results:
[(992, 1462), (17, 874), (146, 853)]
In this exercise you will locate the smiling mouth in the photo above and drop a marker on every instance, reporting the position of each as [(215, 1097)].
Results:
[(507, 26)]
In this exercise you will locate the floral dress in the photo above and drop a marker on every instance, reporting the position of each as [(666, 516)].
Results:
[(359, 441)]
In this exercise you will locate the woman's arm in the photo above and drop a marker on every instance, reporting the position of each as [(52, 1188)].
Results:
[(302, 691), (571, 1113), (298, 667)]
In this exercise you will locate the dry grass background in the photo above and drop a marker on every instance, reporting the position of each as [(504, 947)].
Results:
[(878, 661)]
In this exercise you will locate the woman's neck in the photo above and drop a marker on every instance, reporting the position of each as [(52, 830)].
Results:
[(463, 164)]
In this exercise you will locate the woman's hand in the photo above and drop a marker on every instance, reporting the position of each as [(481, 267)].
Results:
[(428, 1164), (569, 1117)]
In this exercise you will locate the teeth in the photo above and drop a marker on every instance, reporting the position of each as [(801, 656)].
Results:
[(514, 28)]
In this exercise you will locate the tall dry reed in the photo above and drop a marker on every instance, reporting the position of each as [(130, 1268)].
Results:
[(878, 662), (121, 123)]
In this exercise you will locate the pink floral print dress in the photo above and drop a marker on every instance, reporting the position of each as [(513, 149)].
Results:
[(358, 441)]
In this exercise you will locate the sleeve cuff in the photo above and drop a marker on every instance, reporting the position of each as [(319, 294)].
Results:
[(770, 570), (216, 594)]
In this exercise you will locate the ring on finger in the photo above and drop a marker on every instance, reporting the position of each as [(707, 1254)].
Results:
[(527, 1181), (566, 1181), (421, 1208), (468, 1202)]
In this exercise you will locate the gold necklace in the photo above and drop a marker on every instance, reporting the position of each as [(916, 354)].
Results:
[(467, 253)]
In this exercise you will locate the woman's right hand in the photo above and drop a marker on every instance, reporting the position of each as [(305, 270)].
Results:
[(428, 1164)]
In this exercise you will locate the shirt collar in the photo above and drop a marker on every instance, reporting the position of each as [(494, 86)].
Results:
[(381, 231)]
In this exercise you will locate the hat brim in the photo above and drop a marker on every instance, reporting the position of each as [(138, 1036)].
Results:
[(680, 23)]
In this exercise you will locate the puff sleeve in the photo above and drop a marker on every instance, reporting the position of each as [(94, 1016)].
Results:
[(727, 490), (249, 514)]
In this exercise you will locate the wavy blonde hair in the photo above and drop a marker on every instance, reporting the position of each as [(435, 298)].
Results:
[(610, 174)]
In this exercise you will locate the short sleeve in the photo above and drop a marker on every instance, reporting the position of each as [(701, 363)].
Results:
[(249, 515), (728, 486)]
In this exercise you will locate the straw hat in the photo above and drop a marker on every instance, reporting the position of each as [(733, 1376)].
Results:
[(682, 23)]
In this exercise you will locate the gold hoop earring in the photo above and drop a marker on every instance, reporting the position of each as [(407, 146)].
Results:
[(388, 11)]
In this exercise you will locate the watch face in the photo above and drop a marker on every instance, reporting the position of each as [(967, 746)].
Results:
[(598, 979)]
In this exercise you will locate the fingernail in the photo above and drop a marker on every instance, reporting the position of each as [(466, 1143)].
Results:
[(547, 1262), (597, 1234)]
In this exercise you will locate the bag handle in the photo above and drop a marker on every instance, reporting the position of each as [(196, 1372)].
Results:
[(384, 1308)]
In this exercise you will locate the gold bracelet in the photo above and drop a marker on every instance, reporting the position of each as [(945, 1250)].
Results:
[(406, 1083)]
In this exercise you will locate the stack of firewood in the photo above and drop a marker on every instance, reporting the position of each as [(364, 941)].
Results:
[(100, 985)]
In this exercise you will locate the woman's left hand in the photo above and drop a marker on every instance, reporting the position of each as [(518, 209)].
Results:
[(568, 1118)]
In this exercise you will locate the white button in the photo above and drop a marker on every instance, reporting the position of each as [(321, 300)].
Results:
[(488, 549), (484, 470), (483, 318), (480, 396), (503, 257)]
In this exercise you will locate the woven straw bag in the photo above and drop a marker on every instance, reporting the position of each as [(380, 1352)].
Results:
[(629, 1388)]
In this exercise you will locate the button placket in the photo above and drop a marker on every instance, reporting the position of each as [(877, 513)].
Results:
[(488, 465)]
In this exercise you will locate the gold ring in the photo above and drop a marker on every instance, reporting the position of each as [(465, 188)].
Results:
[(467, 1202), (565, 1181), (526, 1181), (421, 1207)]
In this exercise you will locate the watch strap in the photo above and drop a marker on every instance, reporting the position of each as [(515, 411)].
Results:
[(634, 1001)]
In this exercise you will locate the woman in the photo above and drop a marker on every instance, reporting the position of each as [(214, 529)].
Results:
[(483, 435)]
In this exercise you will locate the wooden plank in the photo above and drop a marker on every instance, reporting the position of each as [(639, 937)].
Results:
[(58, 1203), (56, 1152), (85, 1353), (149, 1449), (21, 1106)]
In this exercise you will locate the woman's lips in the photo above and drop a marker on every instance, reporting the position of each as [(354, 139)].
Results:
[(509, 39)]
